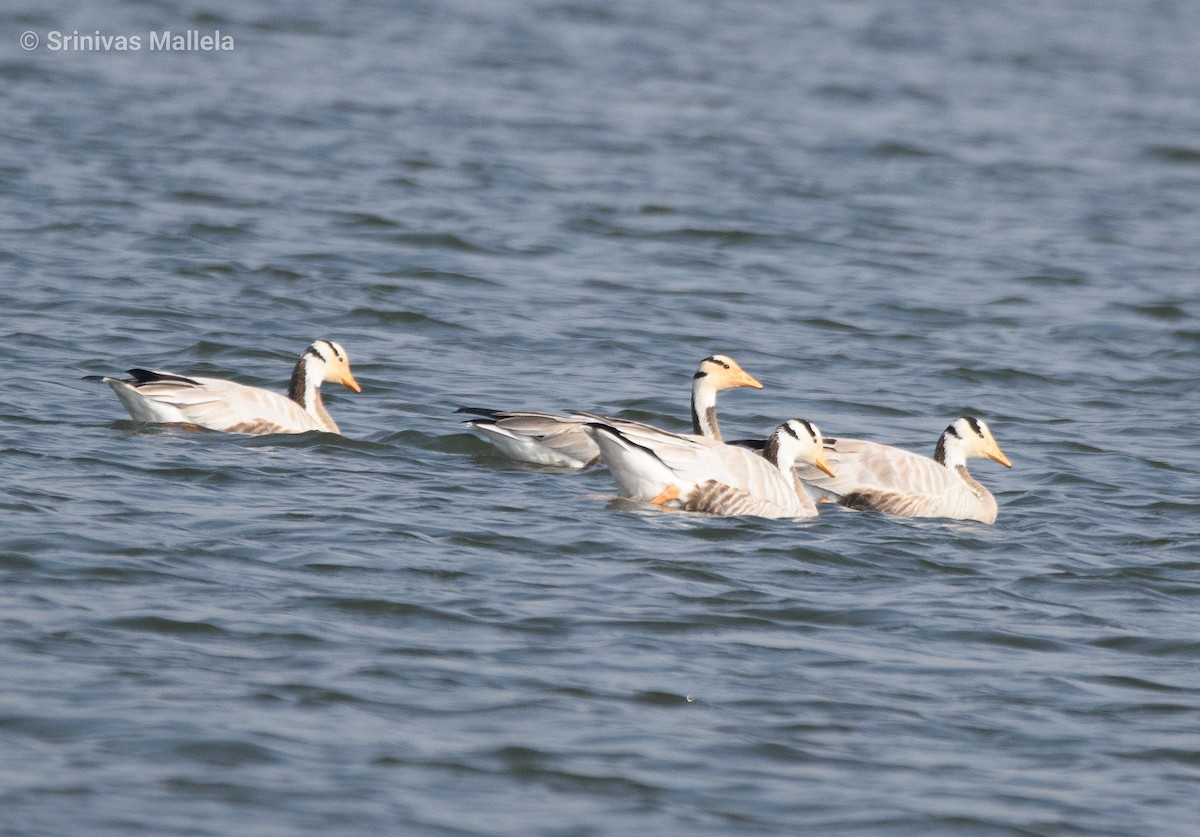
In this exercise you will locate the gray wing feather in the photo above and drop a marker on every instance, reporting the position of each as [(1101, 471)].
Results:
[(225, 405), (896, 481), (699, 461), (541, 438)]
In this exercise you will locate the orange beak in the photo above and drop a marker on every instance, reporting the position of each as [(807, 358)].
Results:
[(745, 379)]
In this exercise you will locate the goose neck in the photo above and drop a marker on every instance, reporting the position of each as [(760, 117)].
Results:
[(949, 451), (704, 408), (305, 389)]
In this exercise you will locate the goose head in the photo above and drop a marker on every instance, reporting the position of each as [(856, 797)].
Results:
[(797, 441), (322, 361), (335, 362), (967, 438), (718, 372), (714, 374)]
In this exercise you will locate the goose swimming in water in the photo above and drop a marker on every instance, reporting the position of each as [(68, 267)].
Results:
[(896, 481), (701, 474), (559, 440), (168, 398)]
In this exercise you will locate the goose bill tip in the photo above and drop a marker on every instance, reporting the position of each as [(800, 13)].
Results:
[(998, 456), (349, 383), (824, 465)]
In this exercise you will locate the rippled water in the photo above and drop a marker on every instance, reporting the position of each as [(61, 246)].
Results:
[(890, 213)]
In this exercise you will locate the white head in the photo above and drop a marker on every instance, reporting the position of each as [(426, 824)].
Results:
[(323, 360), (335, 361), (967, 438), (797, 440), (719, 372)]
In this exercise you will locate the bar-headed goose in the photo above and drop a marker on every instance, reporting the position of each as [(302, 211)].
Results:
[(548, 439), (700, 474), (164, 397), (888, 479)]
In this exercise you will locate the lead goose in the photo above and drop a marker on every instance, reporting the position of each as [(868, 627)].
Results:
[(164, 397), (548, 439), (700, 474), (888, 479)]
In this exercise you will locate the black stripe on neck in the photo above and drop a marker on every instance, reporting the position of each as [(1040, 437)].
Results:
[(939, 453), (298, 387), (771, 450)]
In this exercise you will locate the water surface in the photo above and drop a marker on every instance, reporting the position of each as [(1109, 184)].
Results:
[(892, 214)]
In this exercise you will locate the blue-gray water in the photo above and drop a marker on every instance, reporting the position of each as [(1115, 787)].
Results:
[(892, 213)]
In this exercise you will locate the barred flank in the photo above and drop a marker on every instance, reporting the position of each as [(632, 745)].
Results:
[(718, 498)]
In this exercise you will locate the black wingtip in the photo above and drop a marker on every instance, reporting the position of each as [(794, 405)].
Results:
[(142, 376), (486, 412), (601, 427), (751, 444), (623, 438)]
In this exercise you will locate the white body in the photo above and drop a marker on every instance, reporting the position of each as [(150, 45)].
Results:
[(560, 441), (656, 466), (539, 438), (215, 404), (889, 479)]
